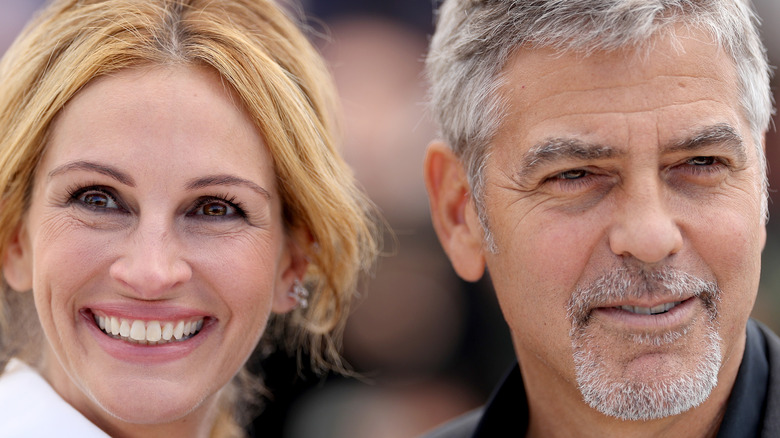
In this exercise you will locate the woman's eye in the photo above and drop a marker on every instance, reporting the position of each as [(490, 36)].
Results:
[(97, 199), (216, 209), (212, 207)]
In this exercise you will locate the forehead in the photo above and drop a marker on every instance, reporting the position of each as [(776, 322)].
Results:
[(152, 97), (674, 87), (157, 113)]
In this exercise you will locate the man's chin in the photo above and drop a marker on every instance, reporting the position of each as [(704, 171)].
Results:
[(646, 375)]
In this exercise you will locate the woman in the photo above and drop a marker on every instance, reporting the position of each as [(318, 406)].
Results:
[(169, 182)]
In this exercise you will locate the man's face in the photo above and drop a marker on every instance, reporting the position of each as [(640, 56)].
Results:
[(620, 185)]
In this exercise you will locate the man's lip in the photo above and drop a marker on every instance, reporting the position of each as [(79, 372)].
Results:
[(648, 302), (678, 316)]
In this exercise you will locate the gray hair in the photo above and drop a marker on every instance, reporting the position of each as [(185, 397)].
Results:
[(475, 38)]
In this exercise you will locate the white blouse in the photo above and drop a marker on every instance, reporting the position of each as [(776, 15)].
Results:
[(29, 407)]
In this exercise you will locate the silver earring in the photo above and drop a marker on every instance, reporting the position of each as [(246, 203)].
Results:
[(299, 294)]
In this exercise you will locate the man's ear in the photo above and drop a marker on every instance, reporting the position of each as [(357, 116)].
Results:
[(292, 266), (762, 231), (453, 211), (17, 261)]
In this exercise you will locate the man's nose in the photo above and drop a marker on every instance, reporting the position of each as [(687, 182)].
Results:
[(151, 263), (644, 226)]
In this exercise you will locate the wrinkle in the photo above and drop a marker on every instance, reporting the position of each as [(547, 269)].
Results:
[(560, 115), (623, 87)]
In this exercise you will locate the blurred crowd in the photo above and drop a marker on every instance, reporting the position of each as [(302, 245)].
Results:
[(426, 345)]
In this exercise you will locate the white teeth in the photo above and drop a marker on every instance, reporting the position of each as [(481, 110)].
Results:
[(124, 328), (659, 308), (167, 332), (148, 332), (138, 332), (178, 331), (153, 331), (655, 310)]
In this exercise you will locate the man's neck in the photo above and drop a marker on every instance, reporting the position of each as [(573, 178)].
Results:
[(556, 408)]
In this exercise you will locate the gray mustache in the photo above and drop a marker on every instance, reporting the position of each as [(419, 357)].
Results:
[(634, 282)]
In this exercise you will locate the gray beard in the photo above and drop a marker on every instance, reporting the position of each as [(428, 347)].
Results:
[(628, 399)]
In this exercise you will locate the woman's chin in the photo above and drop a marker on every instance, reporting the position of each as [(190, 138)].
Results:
[(153, 406)]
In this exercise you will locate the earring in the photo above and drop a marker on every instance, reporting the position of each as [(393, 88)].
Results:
[(299, 294)]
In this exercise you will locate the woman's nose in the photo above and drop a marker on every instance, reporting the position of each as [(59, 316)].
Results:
[(152, 263)]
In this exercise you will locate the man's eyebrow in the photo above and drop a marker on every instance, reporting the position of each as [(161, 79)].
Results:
[(226, 180), (92, 166), (558, 148), (721, 134), (553, 149)]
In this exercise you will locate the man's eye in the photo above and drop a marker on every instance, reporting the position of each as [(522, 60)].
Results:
[(702, 161), (576, 181), (573, 174)]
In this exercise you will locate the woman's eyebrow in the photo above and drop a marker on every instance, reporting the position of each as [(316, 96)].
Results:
[(225, 180), (92, 166), (124, 178)]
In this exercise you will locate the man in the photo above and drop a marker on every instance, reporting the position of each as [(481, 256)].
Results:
[(604, 159)]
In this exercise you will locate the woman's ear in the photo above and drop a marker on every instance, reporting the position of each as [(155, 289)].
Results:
[(453, 211), (17, 261), (293, 265)]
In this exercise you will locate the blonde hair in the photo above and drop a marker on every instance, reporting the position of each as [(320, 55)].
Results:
[(283, 85)]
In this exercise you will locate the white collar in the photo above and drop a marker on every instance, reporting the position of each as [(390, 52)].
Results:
[(31, 407)]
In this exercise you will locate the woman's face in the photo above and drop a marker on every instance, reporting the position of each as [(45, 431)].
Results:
[(154, 217)]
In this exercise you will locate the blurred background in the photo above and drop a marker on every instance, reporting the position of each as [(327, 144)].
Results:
[(428, 346)]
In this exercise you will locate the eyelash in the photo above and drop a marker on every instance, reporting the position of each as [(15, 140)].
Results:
[(715, 166), (231, 202), (572, 184), (75, 193)]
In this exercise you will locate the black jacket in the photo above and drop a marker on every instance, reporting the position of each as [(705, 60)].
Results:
[(753, 409)]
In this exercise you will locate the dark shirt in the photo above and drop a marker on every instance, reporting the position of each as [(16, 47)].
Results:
[(745, 411), (745, 414)]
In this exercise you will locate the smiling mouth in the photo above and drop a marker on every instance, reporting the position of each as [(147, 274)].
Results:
[(655, 310), (148, 332)]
